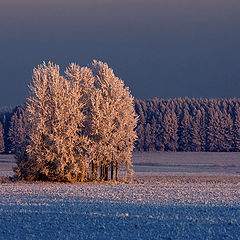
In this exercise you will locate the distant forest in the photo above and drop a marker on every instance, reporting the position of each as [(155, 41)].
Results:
[(179, 124), (184, 124)]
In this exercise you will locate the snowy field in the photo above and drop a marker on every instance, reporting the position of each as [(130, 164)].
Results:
[(167, 163), (188, 196), (7, 162), (186, 163), (149, 211)]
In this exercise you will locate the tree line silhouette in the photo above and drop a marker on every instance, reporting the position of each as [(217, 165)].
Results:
[(184, 124), (179, 124)]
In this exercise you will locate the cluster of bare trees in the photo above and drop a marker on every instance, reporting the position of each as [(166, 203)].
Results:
[(74, 128), (184, 124)]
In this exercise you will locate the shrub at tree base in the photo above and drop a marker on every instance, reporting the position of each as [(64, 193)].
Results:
[(80, 126)]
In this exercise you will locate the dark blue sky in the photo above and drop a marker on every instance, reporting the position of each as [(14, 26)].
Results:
[(160, 48)]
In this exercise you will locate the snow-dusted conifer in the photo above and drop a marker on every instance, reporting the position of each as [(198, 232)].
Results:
[(17, 132), (169, 131), (18, 136), (236, 128), (2, 148)]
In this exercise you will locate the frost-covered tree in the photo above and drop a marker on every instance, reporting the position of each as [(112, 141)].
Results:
[(5, 118), (236, 128), (169, 131), (56, 150), (203, 124), (214, 138), (185, 131), (113, 122), (17, 132), (81, 125), (148, 137), (195, 142), (140, 127), (82, 89), (2, 148), (18, 135)]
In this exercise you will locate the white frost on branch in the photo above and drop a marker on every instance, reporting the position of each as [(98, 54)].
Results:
[(82, 125)]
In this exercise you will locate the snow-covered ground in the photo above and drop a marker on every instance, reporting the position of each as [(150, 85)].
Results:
[(186, 163), (149, 211), (7, 162), (167, 163), (198, 199)]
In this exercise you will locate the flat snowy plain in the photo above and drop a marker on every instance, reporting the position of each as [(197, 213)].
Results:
[(206, 205)]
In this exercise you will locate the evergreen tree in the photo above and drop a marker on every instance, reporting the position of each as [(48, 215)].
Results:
[(139, 145), (226, 130), (185, 131), (170, 128), (158, 133), (236, 128), (214, 138), (2, 147), (148, 138), (195, 145), (5, 118), (18, 130), (203, 130)]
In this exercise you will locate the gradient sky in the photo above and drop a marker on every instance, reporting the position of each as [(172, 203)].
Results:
[(160, 48)]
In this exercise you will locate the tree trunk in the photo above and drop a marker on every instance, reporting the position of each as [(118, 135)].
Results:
[(94, 171), (116, 172), (101, 171), (106, 173), (112, 171), (93, 168)]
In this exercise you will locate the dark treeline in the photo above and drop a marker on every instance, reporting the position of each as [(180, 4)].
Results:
[(184, 124), (180, 124), (6, 114), (12, 128)]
